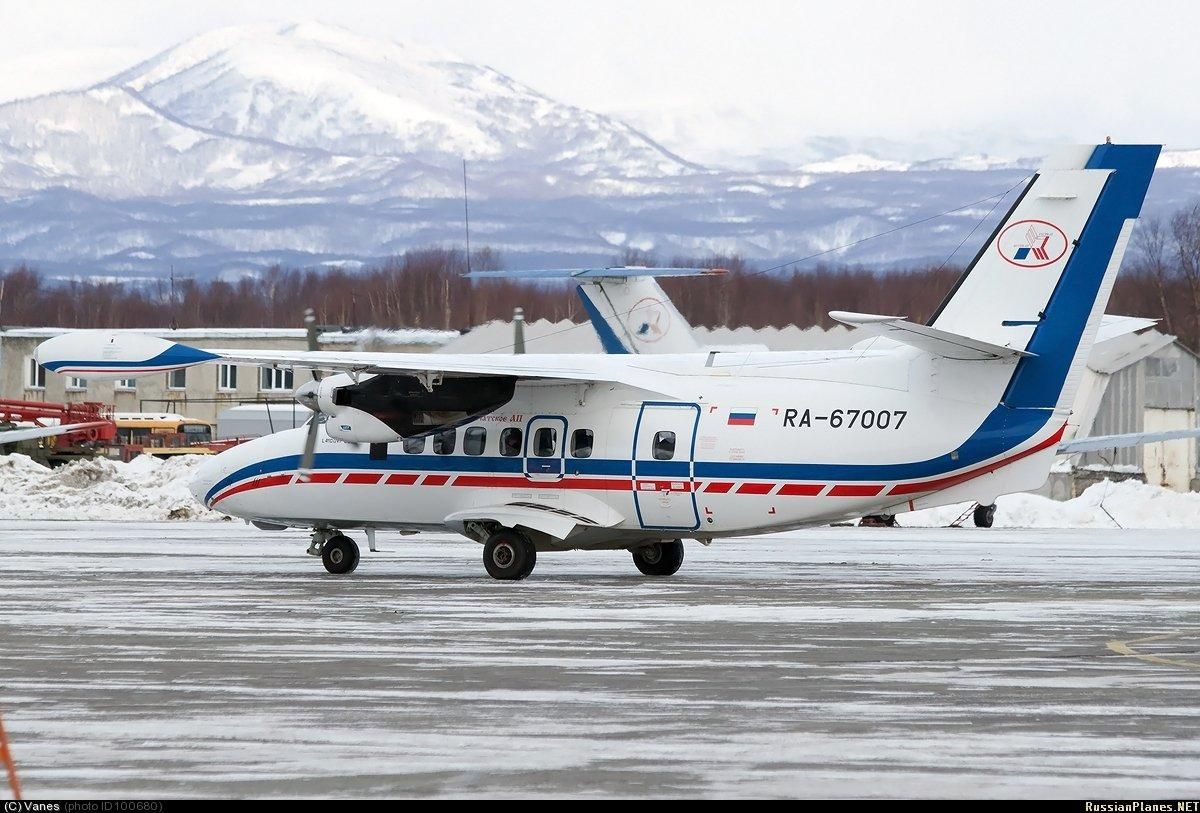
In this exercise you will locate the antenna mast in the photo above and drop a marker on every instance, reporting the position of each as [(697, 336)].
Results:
[(466, 215)]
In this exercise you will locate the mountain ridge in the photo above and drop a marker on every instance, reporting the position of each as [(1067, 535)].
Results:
[(307, 143)]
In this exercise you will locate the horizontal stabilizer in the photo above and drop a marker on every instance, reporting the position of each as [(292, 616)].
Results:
[(1101, 442), (615, 272), (932, 340)]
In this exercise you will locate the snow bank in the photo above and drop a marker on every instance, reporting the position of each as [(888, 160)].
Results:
[(146, 488), (1131, 503)]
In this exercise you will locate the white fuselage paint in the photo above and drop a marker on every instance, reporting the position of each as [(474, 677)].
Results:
[(878, 404)]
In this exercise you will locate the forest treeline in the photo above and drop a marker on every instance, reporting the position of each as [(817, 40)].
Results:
[(424, 288)]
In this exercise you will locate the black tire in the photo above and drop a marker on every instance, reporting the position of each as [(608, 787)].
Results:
[(985, 515), (508, 555), (339, 554), (659, 558)]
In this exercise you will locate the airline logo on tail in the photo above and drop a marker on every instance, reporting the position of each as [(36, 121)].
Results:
[(652, 320), (1032, 243)]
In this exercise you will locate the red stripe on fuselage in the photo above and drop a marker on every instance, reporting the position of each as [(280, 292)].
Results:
[(265, 482), (755, 488), (849, 490), (955, 479), (801, 490)]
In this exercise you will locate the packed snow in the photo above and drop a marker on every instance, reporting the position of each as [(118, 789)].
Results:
[(1124, 504), (149, 488), (146, 488)]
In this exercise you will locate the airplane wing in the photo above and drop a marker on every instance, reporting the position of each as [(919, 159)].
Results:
[(939, 342), (108, 355), (1101, 442)]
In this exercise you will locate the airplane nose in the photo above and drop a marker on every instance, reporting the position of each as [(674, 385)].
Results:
[(204, 478)]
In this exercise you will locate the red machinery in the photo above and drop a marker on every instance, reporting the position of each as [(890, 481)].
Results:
[(86, 422)]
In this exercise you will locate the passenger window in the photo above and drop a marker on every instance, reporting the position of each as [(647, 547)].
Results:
[(414, 445), (474, 440), (510, 442), (545, 441), (443, 442), (581, 443), (664, 445)]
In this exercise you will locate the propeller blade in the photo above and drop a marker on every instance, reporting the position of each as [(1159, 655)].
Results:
[(310, 448)]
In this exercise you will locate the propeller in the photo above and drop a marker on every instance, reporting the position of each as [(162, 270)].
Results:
[(306, 395)]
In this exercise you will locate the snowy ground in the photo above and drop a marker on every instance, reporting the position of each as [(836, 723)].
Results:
[(209, 659)]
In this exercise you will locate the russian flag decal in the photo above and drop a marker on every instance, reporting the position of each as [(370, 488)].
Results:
[(741, 417)]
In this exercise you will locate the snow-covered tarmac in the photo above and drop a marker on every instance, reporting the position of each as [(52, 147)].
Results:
[(211, 659)]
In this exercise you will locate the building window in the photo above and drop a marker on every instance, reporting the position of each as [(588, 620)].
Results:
[(126, 384), (226, 377), (414, 445), (510, 442), (177, 380), (443, 442), (664, 445), (76, 384), (274, 379), (581, 443), (35, 374), (545, 441), (474, 440)]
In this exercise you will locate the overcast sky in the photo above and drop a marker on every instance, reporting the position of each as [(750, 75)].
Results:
[(733, 81)]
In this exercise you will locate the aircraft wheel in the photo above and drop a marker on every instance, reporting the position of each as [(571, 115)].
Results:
[(985, 515), (509, 555), (340, 554), (659, 558)]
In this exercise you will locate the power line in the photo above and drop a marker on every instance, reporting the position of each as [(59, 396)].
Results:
[(998, 197)]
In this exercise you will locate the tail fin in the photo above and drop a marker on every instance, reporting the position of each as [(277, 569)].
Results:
[(635, 315), (628, 309), (1041, 282)]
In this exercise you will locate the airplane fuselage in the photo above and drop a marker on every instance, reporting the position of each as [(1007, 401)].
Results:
[(768, 441)]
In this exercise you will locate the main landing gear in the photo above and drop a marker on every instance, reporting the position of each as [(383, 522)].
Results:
[(659, 558), (508, 555), (985, 515), (338, 552)]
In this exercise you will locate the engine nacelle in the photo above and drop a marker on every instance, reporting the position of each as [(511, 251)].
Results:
[(355, 426), (386, 408)]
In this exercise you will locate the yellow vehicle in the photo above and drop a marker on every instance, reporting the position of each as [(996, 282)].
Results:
[(161, 434)]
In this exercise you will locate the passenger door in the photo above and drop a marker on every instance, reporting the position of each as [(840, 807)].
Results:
[(663, 452)]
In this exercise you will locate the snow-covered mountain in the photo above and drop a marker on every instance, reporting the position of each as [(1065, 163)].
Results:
[(307, 143)]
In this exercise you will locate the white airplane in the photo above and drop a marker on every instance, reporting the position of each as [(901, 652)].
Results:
[(536, 453)]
